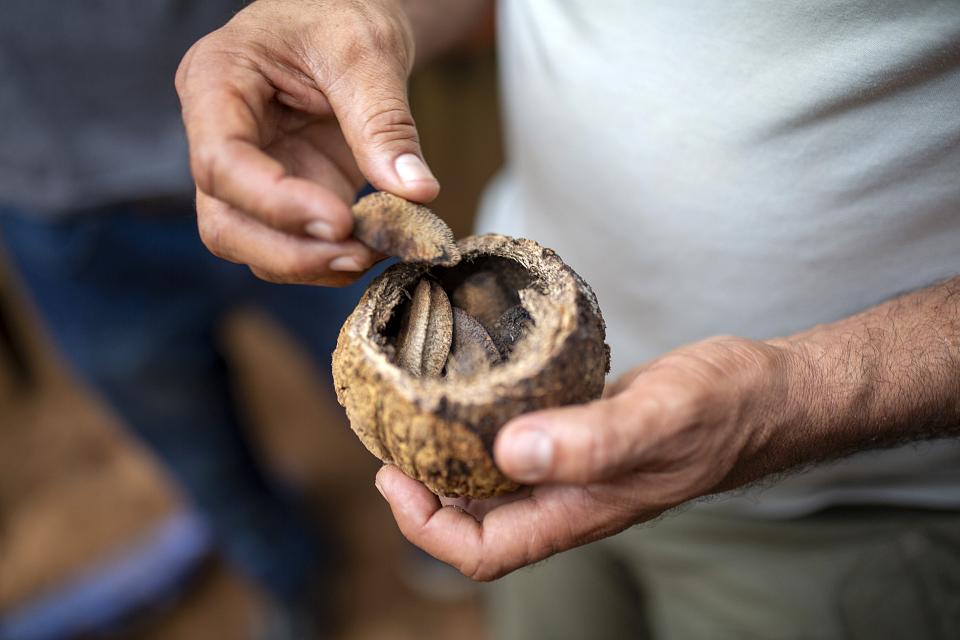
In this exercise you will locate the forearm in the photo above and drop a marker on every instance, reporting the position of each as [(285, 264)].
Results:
[(881, 377), (438, 26)]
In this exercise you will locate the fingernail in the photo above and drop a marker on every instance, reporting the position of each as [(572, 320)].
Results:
[(531, 455), (376, 483), (320, 230), (346, 263), (412, 169)]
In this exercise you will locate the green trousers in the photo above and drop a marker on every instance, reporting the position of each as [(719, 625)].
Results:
[(851, 573)]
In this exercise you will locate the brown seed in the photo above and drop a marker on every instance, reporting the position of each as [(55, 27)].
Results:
[(483, 297), (404, 229), (439, 332), (427, 331), (509, 328), (473, 350)]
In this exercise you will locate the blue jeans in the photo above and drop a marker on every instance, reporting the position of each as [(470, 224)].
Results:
[(134, 301)]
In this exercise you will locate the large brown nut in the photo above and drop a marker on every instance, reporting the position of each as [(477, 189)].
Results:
[(440, 429)]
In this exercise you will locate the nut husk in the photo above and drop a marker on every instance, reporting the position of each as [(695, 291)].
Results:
[(404, 229), (441, 430)]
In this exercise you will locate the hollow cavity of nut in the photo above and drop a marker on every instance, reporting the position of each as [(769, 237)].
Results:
[(464, 339)]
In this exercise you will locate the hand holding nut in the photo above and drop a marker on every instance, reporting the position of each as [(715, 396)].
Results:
[(279, 151), (439, 429), (404, 229)]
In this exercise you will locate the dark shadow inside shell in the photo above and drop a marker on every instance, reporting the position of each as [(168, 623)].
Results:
[(511, 277)]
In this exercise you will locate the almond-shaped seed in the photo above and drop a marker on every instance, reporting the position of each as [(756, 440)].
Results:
[(404, 229), (427, 331), (483, 297), (473, 350), (413, 330), (439, 332)]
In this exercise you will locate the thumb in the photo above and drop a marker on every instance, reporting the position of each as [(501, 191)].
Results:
[(580, 444), (374, 114)]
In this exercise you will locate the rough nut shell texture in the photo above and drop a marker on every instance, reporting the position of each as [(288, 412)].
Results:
[(404, 229), (441, 431)]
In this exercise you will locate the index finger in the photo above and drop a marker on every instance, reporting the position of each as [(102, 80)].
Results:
[(225, 111), (550, 520)]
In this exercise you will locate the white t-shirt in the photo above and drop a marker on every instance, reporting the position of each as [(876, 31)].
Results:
[(741, 167)]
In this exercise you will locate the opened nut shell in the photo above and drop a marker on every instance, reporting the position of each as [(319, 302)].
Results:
[(440, 430)]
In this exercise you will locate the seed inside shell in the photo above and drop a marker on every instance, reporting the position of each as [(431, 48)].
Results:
[(483, 297), (473, 350), (404, 229), (427, 331), (509, 328)]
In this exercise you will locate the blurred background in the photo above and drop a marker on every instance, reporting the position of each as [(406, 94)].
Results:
[(84, 507)]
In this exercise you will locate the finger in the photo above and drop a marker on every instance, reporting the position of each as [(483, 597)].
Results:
[(226, 112), (553, 519), (623, 382), (580, 444), (425, 521), (277, 256), (480, 508), (372, 107), (319, 153)]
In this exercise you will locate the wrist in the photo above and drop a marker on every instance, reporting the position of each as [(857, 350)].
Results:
[(826, 396), (782, 409)]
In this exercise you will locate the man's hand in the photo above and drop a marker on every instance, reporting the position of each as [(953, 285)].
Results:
[(287, 109), (662, 434), (703, 419)]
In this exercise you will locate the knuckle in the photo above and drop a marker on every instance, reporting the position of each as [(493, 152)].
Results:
[(373, 40), (389, 121), (183, 69), (296, 268), (266, 276), (204, 55), (650, 405), (257, 204), (210, 229), (685, 403), (209, 237), (180, 78), (382, 34), (601, 444), (340, 223), (204, 165), (600, 449), (289, 270), (483, 571)]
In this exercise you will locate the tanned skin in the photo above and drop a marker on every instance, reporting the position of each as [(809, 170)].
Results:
[(706, 418), (289, 108), (284, 124)]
